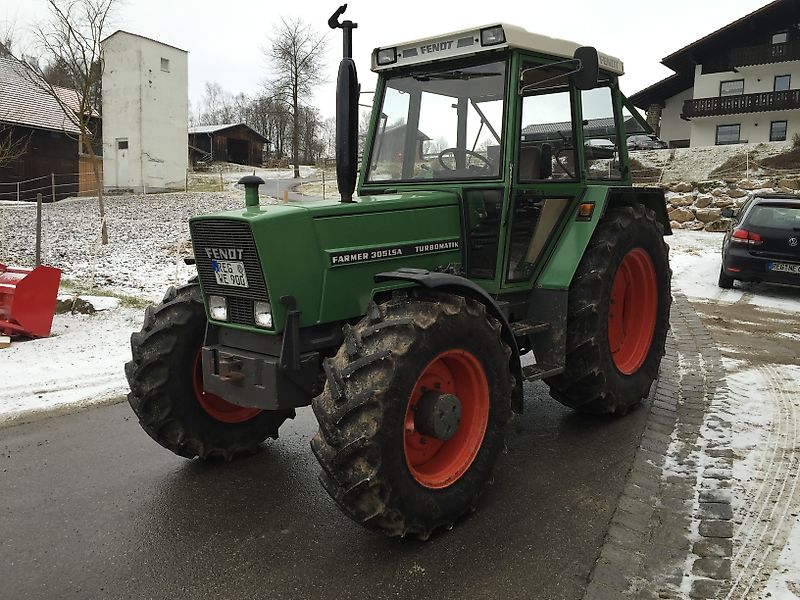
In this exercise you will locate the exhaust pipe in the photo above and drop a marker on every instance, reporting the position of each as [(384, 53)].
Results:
[(347, 92)]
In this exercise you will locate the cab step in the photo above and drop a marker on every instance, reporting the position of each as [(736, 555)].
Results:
[(537, 372), (521, 328)]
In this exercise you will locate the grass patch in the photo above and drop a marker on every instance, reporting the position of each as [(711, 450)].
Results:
[(786, 161), (78, 287), (641, 172), (734, 166)]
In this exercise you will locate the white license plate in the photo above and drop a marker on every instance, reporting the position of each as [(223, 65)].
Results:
[(230, 272), (784, 268)]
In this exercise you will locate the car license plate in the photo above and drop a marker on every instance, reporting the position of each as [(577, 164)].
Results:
[(784, 268), (230, 272)]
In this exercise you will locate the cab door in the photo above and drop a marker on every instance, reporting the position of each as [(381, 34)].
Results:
[(546, 169)]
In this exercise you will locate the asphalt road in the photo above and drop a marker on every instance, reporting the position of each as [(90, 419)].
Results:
[(90, 507), (276, 188)]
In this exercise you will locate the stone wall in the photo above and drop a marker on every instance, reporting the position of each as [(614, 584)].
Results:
[(699, 205)]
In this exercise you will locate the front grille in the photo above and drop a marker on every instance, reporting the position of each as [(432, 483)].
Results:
[(240, 310), (223, 235)]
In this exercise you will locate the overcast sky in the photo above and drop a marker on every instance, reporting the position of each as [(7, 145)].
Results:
[(224, 37)]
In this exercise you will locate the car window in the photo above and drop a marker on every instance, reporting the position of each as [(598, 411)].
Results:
[(777, 216)]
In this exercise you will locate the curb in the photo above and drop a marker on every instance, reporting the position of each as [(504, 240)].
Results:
[(670, 536), (40, 414)]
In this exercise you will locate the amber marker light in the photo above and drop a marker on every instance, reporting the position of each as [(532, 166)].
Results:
[(585, 211)]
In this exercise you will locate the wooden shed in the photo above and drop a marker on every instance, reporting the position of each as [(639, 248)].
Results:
[(231, 142), (34, 119)]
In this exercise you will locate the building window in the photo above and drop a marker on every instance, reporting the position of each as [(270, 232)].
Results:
[(777, 131), (780, 38), (122, 144), (735, 87), (165, 65), (783, 83), (728, 134)]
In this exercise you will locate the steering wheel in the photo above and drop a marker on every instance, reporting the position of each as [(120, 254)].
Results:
[(455, 151)]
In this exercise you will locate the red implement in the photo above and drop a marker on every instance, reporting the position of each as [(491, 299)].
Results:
[(28, 300)]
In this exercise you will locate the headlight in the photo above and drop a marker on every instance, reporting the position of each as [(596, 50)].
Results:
[(218, 308), (492, 36), (387, 56), (263, 314)]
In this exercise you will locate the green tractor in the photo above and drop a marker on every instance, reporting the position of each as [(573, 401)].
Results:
[(495, 239)]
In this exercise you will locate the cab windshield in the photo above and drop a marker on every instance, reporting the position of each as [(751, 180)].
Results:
[(442, 124)]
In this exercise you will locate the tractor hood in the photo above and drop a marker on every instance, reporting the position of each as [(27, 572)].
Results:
[(325, 253)]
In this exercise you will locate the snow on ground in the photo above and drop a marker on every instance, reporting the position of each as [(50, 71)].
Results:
[(696, 259), (148, 239), (696, 164), (784, 584), (81, 363), (229, 174)]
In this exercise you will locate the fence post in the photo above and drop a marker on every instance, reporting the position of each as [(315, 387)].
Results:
[(53, 184), (221, 187), (18, 191), (38, 229), (323, 182), (747, 154), (186, 184)]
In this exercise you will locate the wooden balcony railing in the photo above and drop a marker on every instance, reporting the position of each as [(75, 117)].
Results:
[(765, 54), (745, 103), (753, 55)]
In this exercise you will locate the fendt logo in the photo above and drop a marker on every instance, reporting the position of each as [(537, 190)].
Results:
[(224, 253), (793, 242)]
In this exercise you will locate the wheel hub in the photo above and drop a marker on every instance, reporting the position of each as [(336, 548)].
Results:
[(446, 418), (438, 415)]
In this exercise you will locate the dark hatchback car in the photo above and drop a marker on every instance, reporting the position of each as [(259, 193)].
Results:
[(763, 242), (645, 142)]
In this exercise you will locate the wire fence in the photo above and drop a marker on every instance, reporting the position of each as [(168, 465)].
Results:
[(52, 187)]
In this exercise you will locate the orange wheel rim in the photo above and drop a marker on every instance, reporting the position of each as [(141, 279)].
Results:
[(633, 310), (432, 462), (216, 407)]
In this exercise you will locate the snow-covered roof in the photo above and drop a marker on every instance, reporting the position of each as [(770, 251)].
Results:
[(212, 128), (23, 102), (222, 127), (468, 41)]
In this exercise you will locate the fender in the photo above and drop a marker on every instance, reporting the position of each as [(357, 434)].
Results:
[(652, 198), (447, 282)]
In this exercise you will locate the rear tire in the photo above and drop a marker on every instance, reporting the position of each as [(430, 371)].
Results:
[(620, 296), (373, 457), (725, 281), (166, 386)]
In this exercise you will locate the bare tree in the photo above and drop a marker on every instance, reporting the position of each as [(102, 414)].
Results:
[(8, 37), (69, 43), (296, 52), (12, 147)]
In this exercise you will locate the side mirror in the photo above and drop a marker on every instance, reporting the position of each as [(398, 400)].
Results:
[(585, 78), (728, 213), (546, 162)]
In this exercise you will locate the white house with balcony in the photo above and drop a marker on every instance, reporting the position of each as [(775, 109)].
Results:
[(145, 114), (740, 84)]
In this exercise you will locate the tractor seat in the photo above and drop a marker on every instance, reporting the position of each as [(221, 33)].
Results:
[(530, 163)]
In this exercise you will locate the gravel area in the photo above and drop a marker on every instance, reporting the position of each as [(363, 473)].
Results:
[(148, 239)]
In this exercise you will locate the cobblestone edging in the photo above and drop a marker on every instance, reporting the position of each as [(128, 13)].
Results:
[(670, 536)]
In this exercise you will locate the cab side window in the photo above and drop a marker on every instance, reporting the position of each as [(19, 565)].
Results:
[(600, 138), (547, 140)]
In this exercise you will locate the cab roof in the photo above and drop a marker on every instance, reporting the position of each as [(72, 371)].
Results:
[(468, 42)]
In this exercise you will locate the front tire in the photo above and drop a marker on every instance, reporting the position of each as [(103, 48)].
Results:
[(166, 381), (618, 315), (378, 463)]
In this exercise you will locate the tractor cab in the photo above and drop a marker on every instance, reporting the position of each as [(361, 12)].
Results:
[(514, 122)]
